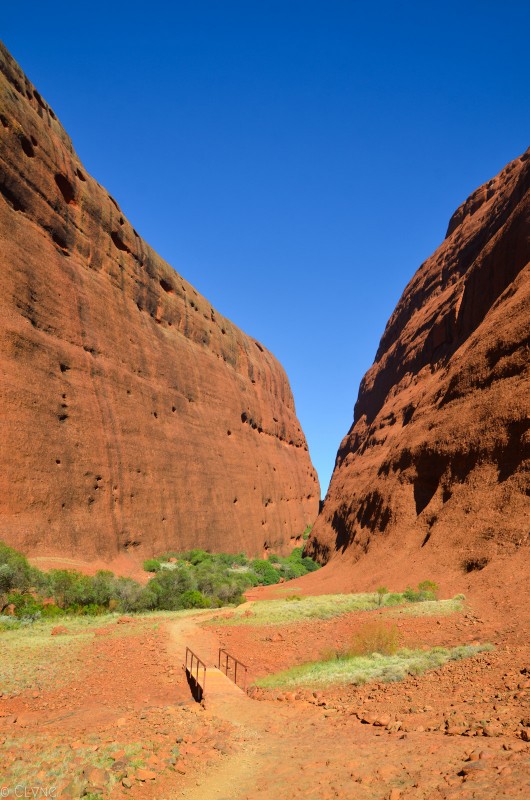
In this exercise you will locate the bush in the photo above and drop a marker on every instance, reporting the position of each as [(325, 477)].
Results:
[(266, 572), (381, 593), (151, 565), (168, 585), (15, 571), (375, 637), (307, 533), (427, 590), (194, 599)]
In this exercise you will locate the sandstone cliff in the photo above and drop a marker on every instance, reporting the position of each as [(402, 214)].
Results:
[(435, 471), (134, 417)]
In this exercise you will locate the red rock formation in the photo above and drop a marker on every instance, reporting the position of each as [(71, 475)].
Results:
[(435, 470), (134, 416)]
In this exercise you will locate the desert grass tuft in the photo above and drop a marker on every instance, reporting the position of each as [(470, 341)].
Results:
[(361, 669)]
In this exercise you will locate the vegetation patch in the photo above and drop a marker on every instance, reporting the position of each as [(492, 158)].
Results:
[(54, 764), (31, 659), (360, 669), (191, 580), (430, 608), (284, 611)]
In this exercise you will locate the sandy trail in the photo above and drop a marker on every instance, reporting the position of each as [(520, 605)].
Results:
[(239, 776)]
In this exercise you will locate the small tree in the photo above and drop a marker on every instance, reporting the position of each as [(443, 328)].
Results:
[(428, 590), (381, 591)]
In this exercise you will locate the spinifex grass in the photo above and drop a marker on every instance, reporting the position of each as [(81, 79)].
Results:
[(430, 608), (375, 667), (296, 609)]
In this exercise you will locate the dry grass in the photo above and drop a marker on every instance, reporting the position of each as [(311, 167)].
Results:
[(358, 670), (49, 764), (30, 658), (284, 611)]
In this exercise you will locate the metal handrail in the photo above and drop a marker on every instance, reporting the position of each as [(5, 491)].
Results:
[(194, 662), (225, 668)]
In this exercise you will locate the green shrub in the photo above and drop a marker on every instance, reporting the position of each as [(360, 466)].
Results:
[(307, 532), (427, 590), (51, 611), (25, 605), (266, 572), (194, 599), (381, 592), (151, 565), (15, 571)]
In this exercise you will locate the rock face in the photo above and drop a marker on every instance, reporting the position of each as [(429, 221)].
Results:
[(435, 470), (134, 416)]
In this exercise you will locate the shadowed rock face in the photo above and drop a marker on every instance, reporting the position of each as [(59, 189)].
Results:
[(133, 416), (436, 467)]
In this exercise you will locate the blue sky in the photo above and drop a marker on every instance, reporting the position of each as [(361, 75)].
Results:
[(295, 160)]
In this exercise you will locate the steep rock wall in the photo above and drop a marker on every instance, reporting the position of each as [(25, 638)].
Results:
[(134, 417), (435, 469)]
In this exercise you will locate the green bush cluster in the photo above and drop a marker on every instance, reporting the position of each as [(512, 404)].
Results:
[(194, 579), (426, 590), (221, 578)]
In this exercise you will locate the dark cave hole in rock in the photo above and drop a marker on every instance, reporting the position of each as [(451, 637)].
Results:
[(27, 147), (66, 188), (426, 539), (166, 286), (118, 242), (475, 564), (34, 142), (39, 99), (424, 491), (12, 199), (408, 413), (62, 417), (64, 368), (80, 175), (60, 241)]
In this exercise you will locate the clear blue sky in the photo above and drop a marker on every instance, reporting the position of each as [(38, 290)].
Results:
[(295, 160)]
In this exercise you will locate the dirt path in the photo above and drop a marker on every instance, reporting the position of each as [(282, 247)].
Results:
[(238, 775)]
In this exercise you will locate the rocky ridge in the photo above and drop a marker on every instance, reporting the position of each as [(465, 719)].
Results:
[(433, 477)]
